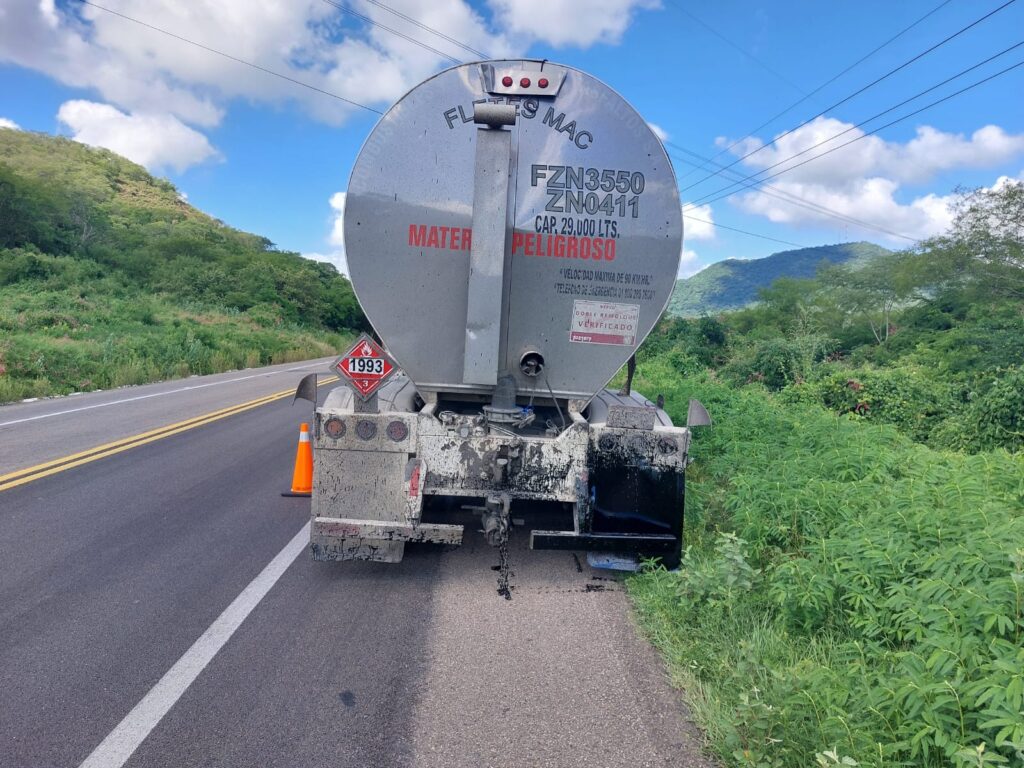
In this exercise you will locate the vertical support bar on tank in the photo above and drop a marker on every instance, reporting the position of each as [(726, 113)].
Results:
[(485, 315), (369, 405)]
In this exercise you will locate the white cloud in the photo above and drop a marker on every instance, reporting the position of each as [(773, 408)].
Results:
[(5, 123), (863, 180), (698, 222), (689, 264), (337, 259), (872, 200), (336, 237), (569, 22), (141, 70), (933, 151), (916, 161), (153, 140), (660, 132), (102, 55), (1004, 181)]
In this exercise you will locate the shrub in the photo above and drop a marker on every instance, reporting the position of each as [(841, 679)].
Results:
[(903, 397), (778, 362), (997, 415), (849, 593)]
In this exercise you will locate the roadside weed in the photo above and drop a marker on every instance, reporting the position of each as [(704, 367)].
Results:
[(848, 597)]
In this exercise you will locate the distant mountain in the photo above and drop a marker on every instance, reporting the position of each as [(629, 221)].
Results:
[(734, 283)]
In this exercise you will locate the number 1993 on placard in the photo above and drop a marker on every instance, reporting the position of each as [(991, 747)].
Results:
[(365, 365)]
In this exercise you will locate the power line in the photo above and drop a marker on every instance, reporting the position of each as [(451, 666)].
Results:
[(348, 101), (828, 82), (471, 50), (229, 56), (742, 231), (872, 132), (753, 177), (437, 32), (402, 35), (790, 198), (739, 48), (873, 83)]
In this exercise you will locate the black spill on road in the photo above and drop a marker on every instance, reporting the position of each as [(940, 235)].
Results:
[(503, 566)]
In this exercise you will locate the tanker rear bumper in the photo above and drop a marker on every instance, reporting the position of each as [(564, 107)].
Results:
[(345, 538), (619, 475), (350, 528)]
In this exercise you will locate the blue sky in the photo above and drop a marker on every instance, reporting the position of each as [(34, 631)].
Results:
[(270, 157)]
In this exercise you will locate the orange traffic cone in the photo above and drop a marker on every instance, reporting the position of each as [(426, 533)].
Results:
[(302, 478)]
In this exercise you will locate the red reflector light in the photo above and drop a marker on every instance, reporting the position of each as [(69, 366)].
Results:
[(525, 82), (366, 430), (397, 431), (543, 82), (506, 81)]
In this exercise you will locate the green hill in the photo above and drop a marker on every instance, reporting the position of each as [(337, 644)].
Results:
[(108, 277), (734, 283)]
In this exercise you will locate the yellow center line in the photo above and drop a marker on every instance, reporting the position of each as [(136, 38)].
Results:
[(27, 475), (125, 440)]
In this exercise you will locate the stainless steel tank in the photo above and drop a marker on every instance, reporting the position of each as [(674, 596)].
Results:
[(542, 246)]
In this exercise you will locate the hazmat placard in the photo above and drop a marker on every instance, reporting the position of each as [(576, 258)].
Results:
[(366, 366), (602, 322)]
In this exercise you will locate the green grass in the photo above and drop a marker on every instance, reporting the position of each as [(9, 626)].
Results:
[(845, 590), (109, 277), (55, 342)]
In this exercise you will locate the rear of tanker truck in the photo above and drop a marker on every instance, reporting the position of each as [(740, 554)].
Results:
[(513, 233)]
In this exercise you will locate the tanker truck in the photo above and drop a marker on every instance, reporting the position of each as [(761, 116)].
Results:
[(513, 233)]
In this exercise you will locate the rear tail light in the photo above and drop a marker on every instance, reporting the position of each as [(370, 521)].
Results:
[(397, 431), (334, 427)]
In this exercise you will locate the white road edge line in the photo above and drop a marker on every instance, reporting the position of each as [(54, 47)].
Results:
[(120, 743), (154, 394)]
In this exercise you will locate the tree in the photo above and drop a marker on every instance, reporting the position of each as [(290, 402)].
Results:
[(871, 292), (788, 299), (984, 249)]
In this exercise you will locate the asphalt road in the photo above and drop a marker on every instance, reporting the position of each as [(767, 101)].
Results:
[(156, 610), (38, 431)]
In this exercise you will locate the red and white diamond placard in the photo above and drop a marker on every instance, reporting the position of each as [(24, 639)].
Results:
[(366, 366)]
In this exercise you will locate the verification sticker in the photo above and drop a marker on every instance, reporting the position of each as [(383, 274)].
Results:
[(601, 322)]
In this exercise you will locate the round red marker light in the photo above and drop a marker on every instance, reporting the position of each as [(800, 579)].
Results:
[(525, 82), (506, 81), (543, 82), (398, 431), (334, 427)]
